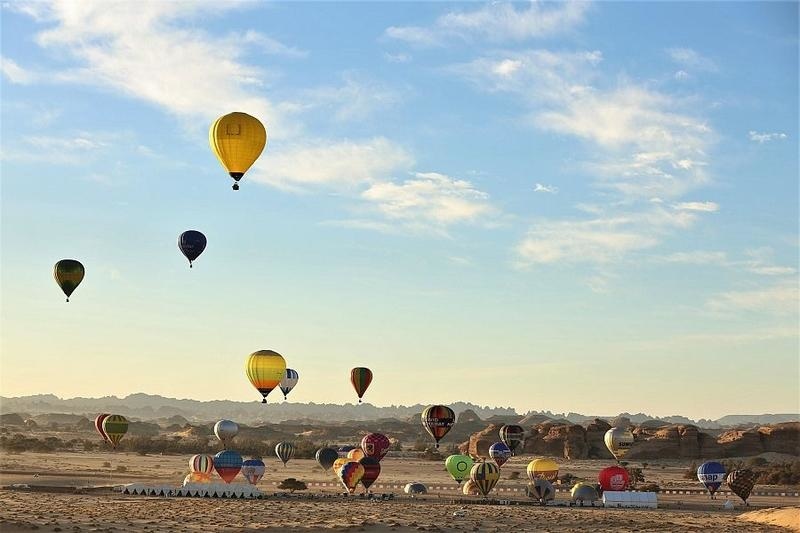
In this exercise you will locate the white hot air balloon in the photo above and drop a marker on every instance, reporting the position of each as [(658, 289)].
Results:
[(225, 430)]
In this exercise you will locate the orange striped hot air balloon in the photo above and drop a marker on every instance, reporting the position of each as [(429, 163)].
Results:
[(265, 369)]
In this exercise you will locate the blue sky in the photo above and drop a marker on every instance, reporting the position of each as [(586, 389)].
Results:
[(583, 207)]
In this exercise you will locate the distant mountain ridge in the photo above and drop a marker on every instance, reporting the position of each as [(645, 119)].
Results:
[(149, 407)]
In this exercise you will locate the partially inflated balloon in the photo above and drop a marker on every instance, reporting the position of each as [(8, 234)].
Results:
[(284, 451), (237, 139), (360, 378), (288, 382), (375, 445), (415, 488), (115, 427), (712, 475), (741, 482), (437, 421), (618, 441), (356, 454), (191, 244), (350, 475), (613, 478), (541, 489), (196, 477), (201, 464), (512, 436), (226, 430), (265, 369), (326, 457), (228, 463), (372, 469), (459, 467), (253, 470), (470, 488), (543, 469), (584, 492), (500, 453), (98, 425), (68, 274), (485, 475)]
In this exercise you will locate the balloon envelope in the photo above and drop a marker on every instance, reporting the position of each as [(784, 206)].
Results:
[(541, 489), (226, 430), (326, 457), (253, 470), (584, 492), (415, 488), (613, 478), (197, 477), (356, 454), (191, 244), (375, 445), (265, 370), (372, 469), (741, 482), (500, 453), (712, 475), (437, 421), (485, 475), (360, 377), (618, 441), (98, 425), (227, 463), (201, 464), (350, 475), (237, 139), (512, 436), (337, 464), (459, 467), (470, 488), (289, 381), (115, 427), (284, 451), (544, 469), (68, 273)]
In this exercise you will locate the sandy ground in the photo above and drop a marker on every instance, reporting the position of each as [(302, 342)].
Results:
[(104, 510)]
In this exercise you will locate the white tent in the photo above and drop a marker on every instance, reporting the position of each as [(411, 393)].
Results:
[(613, 498)]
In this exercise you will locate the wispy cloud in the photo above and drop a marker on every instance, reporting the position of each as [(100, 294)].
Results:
[(689, 58), (499, 22), (781, 298), (704, 207), (398, 58), (550, 189), (15, 73), (762, 138), (698, 257), (355, 98)]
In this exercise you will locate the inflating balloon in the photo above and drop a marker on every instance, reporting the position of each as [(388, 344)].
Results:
[(584, 492), (201, 464), (228, 463), (226, 430), (288, 382), (541, 490), (470, 488), (459, 467), (414, 488), (544, 469), (196, 477), (265, 370), (500, 453), (98, 425), (360, 377), (613, 478), (437, 421), (350, 475), (68, 274), (237, 139), (375, 445), (741, 482), (618, 441), (191, 244), (326, 457), (485, 475), (253, 470), (372, 469), (284, 451), (115, 427), (712, 475)]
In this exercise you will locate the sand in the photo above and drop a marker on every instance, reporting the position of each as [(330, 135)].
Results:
[(787, 517)]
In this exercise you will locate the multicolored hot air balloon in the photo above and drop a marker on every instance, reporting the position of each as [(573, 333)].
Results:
[(712, 475), (350, 475), (191, 244), (68, 274), (437, 421), (512, 436), (226, 430), (284, 451), (253, 470), (344, 450), (201, 464), (541, 489), (741, 483), (356, 454), (500, 453), (485, 476), (237, 139), (98, 425), (372, 469), (618, 441), (375, 445), (360, 377), (288, 382), (326, 457), (115, 427), (542, 468), (459, 467), (613, 478), (470, 488), (265, 369), (228, 463)]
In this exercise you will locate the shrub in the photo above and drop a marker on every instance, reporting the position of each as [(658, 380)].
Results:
[(649, 487), (121, 468), (514, 475), (291, 484)]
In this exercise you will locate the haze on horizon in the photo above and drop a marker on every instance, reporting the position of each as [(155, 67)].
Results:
[(587, 207)]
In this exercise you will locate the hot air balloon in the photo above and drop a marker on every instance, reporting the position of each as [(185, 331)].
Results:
[(470, 488), (512, 436), (584, 492), (500, 453), (350, 475), (196, 477), (356, 454), (344, 450), (68, 274), (227, 463), (201, 464), (237, 139), (191, 244), (326, 457), (284, 451), (360, 378), (485, 475), (613, 478), (253, 470), (459, 467), (98, 425), (115, 427), (741, 482), (415, 488), (618, 441), (712, 475), (437, 421), (375, 445), (265, 369), (542, 490), (226, 430), (372, 469), (544, 469), (288, 382), (337, 464)]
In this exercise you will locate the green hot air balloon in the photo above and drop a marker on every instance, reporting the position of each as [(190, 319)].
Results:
[(459, 467), (68, 274)]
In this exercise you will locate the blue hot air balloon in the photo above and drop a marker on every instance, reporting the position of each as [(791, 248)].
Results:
[(192, 243), (711, 474), (500, 453), (227, 464)]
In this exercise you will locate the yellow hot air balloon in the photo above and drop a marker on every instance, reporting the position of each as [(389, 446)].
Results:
[(265, 369), (543, 468), (618, 441), (115, 426), (237, 139)]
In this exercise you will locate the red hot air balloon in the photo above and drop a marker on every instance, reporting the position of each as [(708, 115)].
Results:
[(372, 469), (98, 425), (437, 421), (375, 445), (613, 478), (360, 378)]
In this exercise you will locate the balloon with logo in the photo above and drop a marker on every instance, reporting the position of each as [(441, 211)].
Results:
[(237, 139), (618, 441), (326, 457), (288, 382), (375, 445), (613, 478), (360, 377), (544, 469), (470, 488), (350, 475), (372, 469), (191, 244), (437, 421), (98, 425), (485, 475), (712, 475), (265, 370), (253, 470), (500, 453), (459, 467), (512, 436), (201, 464), (228, 464), (541, 490), (284, 451), (226, 430), (68, 273), (741, 483), (115, 427), (356, 454)]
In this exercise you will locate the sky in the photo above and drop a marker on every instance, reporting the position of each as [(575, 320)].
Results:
[(587, 207)]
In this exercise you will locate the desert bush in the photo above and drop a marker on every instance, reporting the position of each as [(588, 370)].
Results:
[(291, 484), (121, 468), (649, 487), (755, 462), (514, 475), (566, 479), (106, 464)]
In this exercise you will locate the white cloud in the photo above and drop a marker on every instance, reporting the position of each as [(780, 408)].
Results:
[(698, 257), (760, 261), (762, 138), (268, 45), (15, 73), (705, 207), (780, 298), (398, 58), (354, 99), (551, 189), (79, 142), (686, 57), (496, 22)]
